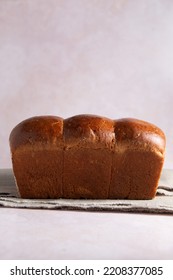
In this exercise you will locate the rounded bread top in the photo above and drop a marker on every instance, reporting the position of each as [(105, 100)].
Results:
[(42, 129), (88, 131), (139, 134)]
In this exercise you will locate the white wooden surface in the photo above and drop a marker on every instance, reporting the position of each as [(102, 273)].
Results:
[(47, 234)]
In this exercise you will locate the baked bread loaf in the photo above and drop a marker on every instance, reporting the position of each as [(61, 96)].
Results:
[(87, 156)]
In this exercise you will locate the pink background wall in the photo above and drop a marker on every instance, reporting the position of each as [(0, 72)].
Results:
[(64, 57)]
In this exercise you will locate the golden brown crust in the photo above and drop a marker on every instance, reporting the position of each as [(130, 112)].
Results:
[(139, 134), (40, 129), (88, 130), (87, 156)]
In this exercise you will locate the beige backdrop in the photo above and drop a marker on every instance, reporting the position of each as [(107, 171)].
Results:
[(66, 57)]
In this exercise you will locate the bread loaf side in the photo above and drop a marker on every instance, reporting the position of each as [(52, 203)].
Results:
[(87, 156), (37, 157)]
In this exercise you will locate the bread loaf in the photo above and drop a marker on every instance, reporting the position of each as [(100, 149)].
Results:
[(87, 156)]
